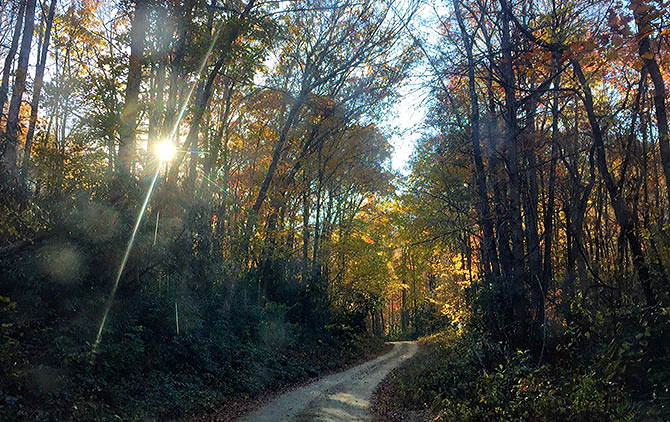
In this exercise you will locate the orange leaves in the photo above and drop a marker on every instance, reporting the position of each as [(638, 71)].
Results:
[(367, 239), (586, 46)]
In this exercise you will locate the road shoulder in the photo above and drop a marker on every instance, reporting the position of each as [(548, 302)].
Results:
[(385, 405)]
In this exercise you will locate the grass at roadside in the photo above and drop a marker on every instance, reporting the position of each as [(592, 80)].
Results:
[(142, 373), (466, 378)]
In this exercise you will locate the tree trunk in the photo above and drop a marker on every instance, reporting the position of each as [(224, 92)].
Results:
[(547, 272), (404, 316), (305, 232), (643, 22), (516, 287), (9, 59), (128, 118), (232, 32), (11, 143), (317, 210), (497, 182), (488, 249), (535, 285), (621, 211), (183, 15), (267, 180), (37, 90)]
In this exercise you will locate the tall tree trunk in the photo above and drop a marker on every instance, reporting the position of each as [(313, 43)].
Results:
[(516, 287), (11, 141), (9, 59), (157, 111), (404, 314), (644, 28), (621, 211), (231, 33), (37, 90), (267, 180), (489, 263), (497, 182), (183, 15), (547, 271), (317, 209), (535, 285), (128, 118), (305, 229)]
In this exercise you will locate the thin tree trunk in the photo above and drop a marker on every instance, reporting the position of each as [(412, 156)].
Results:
[(183, 15), (488, 243), (501, 222), (318, 207), (37, 90), (547, 272), (232, 32), (305, 229), (403, 312), (644, 28), (158, 104), (535, 285), (11, 143), (9, 59), (621, 211), (267, 180)]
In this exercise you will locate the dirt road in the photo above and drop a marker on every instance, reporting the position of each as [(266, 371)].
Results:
[(339, 397)]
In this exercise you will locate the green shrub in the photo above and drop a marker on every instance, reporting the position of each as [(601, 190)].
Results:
[(465, 377)]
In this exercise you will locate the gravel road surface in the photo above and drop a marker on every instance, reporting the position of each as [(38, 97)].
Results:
[(344, 396)]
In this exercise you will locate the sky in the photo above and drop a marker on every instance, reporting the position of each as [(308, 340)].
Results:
[(405, 122)]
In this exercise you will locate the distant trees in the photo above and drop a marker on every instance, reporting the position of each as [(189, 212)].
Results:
[(272, 110), (565, 133)]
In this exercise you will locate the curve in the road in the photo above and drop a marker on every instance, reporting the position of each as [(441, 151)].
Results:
[(339, 397)]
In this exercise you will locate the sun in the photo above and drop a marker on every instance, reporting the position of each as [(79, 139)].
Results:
[(165, 151)]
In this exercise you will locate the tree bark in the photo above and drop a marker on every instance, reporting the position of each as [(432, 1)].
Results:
[(621, 211), (267, 180), (643, 22), (488, 249), (37, 90), (547, 271), (11, 142), (516, 288), (535, 281), (305, 230), (9, 59), (128, 118)]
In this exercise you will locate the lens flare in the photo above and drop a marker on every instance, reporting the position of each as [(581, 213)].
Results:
[(165, 151), (124, 261)]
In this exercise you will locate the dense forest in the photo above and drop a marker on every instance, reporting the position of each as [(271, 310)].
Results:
[(198, 206)]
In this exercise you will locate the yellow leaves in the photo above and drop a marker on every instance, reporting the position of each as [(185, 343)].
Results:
[(637, 65), (367, 239)]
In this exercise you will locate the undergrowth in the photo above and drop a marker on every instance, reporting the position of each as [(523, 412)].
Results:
[(467, 377), (144, 370)]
